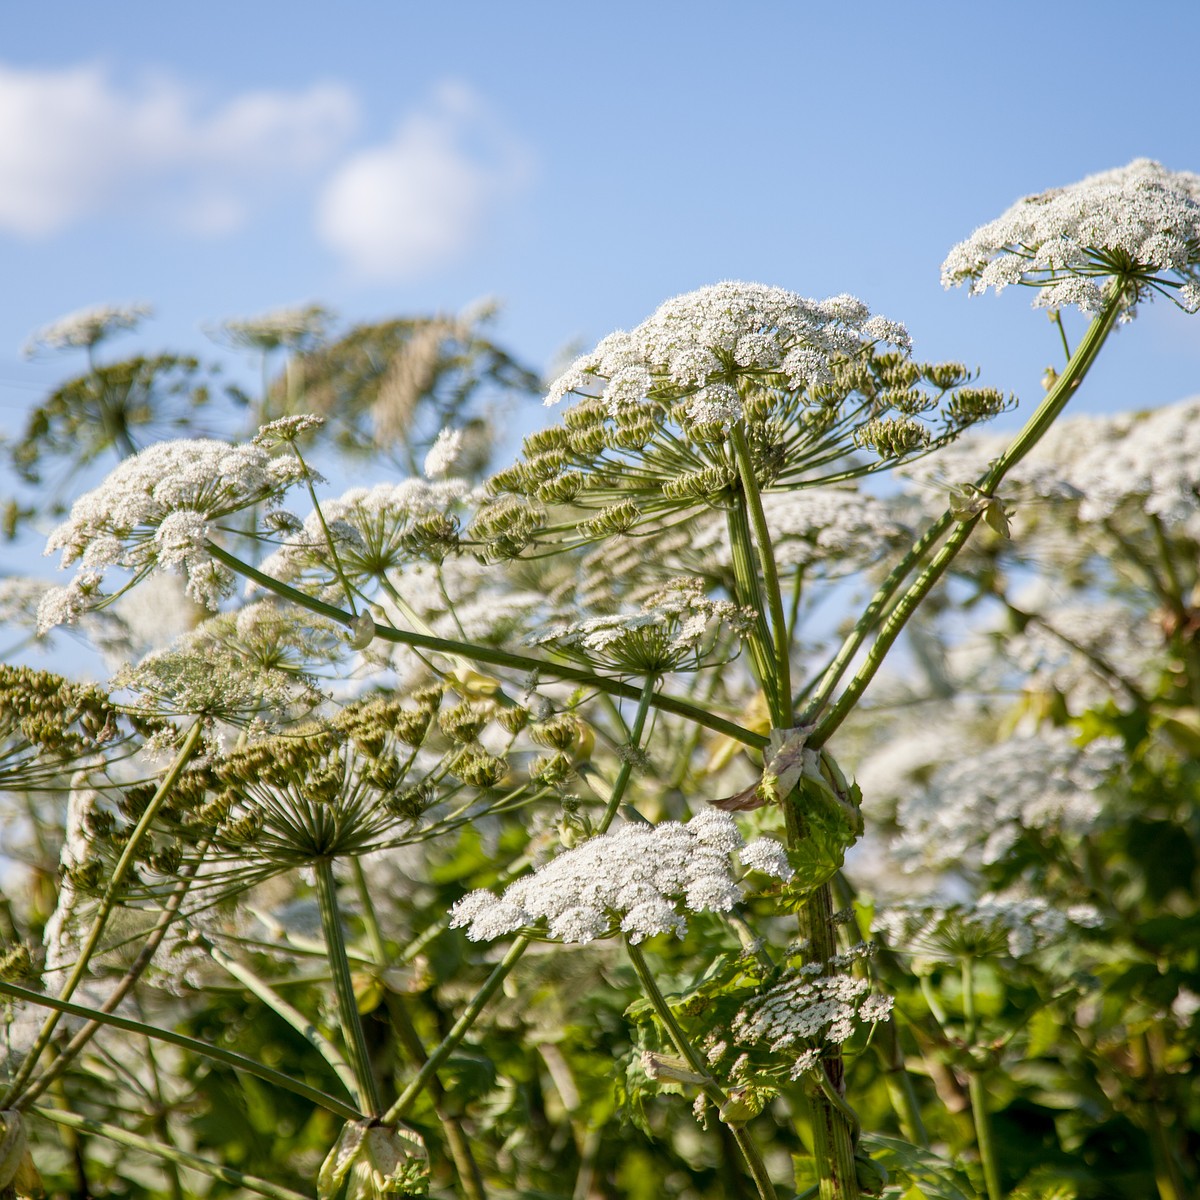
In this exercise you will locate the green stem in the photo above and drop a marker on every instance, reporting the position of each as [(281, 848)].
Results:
[(748, 591), (1147, 1057), (333, 554), (457, 1032), (977, 1090), (162, 1126), (1050, 408), (252, 1183), (229, 1057), (107, 903), (633, 745), (820, 693), (770, 575), (1056, 317), (900, 1084), (889, 631), (746, 1144), (469, 1177), (343, 986), (496, 657), (794, 607), (370, 916)]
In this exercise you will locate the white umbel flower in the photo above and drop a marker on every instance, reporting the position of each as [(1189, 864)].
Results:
[(87, 327), (635, 879), (698, 342), (1140, 222), (157, 510)]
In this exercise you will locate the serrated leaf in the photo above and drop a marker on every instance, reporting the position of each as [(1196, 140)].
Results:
[(1044, 1031), (829, 827)]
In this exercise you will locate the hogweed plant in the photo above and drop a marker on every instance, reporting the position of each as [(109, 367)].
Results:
[(487, 828)]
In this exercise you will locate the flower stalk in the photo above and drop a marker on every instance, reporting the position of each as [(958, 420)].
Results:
[(892, 621), (343, 986), (976, 1088), (745, 1143)]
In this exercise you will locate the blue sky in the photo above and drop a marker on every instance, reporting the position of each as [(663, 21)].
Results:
[(580, 162)]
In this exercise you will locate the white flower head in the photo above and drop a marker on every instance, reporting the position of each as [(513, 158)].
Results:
[(807, 1011), (995, 925), (1139, 223), (157, 511), (87, 327), (295, 328), (975, 808), (675, 628), (636, 879), (698, 344)]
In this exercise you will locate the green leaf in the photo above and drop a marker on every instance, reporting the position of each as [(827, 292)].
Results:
[(829, 825), (927, 1175)]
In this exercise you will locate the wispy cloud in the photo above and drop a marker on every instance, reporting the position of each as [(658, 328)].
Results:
[(422, 200), (75, 144)]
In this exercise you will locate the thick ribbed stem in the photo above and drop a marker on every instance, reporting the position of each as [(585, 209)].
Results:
[(834, 1132), (343, 986)]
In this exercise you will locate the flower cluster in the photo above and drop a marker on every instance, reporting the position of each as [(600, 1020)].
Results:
[(284, 430), (157, 511), (1089, 653), (374, 530), (47, 724), (87, 327), (676, 627), (1138, 224), (291, 328), (1149, 461), (810, 386), (697, 344), (636, 878), (379, 774), (251, 665), (443, 454), (973, 810), (808, 1010), (993, 925)]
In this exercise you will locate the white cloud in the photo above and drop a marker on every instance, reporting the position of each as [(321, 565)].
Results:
[(74, 144), (398, 210)]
